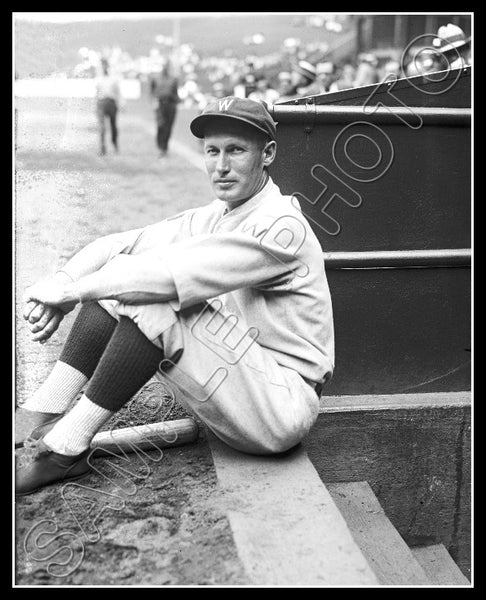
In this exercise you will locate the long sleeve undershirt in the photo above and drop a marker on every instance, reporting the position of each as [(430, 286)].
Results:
[(138, 279), (190, 271)]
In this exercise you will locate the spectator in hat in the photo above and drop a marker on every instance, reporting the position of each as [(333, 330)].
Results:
[(304, 79), (391, 67), (454, 46), (344, 78), (286, 89), (324, 76), (425, 60), (366, 73)]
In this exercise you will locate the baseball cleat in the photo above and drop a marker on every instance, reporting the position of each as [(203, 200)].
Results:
[(44, 467)]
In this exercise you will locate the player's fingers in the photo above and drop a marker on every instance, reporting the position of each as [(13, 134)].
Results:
[(37, 312), (42, 322), (29, 306), (49, 329)]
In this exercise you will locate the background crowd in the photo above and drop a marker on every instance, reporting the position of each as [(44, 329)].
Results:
[(299, 70)]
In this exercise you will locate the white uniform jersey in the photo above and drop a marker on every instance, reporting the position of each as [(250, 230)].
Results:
[(261, 260)]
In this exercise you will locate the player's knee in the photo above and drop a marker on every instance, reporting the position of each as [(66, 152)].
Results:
[(291, 433), (284, 443), (279, 440)]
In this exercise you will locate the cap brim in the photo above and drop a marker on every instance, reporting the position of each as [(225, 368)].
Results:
[(199, 124), (307, 74), (454, 45)]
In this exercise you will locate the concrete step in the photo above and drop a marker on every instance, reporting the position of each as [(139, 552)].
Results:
[(385, 550), (439, 566), (285, 524), (415, 449)]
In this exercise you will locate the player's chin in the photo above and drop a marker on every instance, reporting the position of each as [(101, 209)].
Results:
[(228, 195)]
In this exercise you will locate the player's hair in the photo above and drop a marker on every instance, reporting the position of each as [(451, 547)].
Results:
[(262, 139)]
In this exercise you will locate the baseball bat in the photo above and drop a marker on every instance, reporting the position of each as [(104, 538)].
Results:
[(163, 434)]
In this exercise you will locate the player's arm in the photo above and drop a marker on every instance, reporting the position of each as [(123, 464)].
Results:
[(190, 271), (97, 253), (139, 279), (207, 266), (89, 259), (132, 279)]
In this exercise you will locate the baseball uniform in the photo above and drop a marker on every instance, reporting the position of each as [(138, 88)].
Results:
[(251, 331)]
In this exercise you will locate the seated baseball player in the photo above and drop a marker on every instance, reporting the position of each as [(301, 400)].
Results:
[(227, 303)]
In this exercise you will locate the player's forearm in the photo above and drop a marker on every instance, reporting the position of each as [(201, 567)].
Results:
[(88, 260), (137, 279), (96, 254)]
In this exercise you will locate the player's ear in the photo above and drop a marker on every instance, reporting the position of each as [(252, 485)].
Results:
[(269, 152)]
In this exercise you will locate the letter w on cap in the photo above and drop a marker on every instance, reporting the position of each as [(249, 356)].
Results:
[(225, 104)]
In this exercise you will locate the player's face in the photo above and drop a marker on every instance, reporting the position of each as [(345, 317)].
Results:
[(235, 161)]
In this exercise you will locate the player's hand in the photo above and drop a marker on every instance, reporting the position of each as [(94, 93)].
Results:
[(49, 292), (47, 324), (43, 320), (33, 311)]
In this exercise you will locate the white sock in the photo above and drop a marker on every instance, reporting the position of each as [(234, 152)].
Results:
[(73, 433), (58, 391)]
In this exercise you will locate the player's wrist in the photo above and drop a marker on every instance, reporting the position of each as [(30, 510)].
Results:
[(70, 296), (63, 277)]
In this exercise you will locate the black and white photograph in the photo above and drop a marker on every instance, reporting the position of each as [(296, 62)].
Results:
[(241, 300)]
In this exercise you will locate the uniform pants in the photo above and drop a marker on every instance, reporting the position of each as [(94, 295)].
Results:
[(107, 108), (165, 115), (219, 372)]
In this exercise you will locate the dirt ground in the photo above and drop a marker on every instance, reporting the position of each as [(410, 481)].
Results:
[(162, 526)]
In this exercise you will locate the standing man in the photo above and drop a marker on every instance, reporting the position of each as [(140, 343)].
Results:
[(108, 100), (165, 94), (228, 303)]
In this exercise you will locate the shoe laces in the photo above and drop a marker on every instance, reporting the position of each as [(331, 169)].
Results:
[(32, 450)]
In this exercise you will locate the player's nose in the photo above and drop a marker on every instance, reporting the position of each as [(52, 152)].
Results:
[(223, 163)]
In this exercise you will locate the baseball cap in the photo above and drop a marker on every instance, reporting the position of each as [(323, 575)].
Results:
[(367, 57), (305, 68), (449, 37), (248, 111)]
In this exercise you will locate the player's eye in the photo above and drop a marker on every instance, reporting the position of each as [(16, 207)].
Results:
[(211, 151)]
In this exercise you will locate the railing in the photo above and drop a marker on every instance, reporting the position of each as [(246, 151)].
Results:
[(398, 259), (394, 115)]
